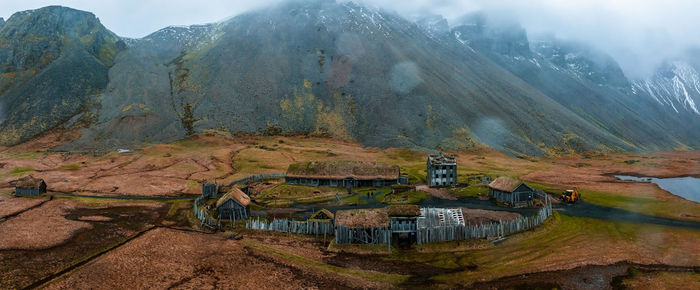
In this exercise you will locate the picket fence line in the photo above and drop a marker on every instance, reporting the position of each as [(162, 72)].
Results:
[(292, 226), (201, 214), (256, 178), (465, 232)]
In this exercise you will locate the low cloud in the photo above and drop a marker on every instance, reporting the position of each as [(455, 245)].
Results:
[(638, 34)]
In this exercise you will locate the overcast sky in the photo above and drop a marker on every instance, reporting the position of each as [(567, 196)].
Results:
[(638, 33)]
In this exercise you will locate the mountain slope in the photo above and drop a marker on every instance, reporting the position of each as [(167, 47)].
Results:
[(327, 69), (338, 70), (588, 83), (675, 84), (53, 63)]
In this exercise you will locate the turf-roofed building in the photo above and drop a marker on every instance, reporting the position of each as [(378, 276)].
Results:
[(343, 174), (511, 191)]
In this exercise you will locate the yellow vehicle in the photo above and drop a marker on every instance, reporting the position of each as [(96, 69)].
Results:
[(571, 196)]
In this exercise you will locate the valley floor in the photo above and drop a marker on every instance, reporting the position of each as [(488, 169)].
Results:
[(63, 240)]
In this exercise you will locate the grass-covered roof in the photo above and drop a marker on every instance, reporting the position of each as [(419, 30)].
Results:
[(343, 169)]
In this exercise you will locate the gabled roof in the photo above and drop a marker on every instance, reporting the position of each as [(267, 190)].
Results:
[(343, 169), (236, 194), (29, 182), (328, 213), (505, 183)]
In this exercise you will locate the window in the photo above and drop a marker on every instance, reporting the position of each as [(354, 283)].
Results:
[(444, 175)]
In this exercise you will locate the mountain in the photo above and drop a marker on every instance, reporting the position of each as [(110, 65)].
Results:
[(675, 84), (587, 82), (323, 68), (53, 65)]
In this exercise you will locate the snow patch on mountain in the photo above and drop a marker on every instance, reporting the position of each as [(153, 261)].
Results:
[(676, 84)]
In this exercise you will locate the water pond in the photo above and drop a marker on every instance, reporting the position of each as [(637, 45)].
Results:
[(685, 187)]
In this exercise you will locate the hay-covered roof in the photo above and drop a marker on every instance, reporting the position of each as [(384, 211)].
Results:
[(328, 213), (505, 183), (343, 169), (235, 194), (363, 218), (403, 186), (404, 210), (29, 182)]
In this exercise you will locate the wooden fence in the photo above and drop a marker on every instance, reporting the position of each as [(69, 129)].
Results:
[(500, 229), (292, 226), (347, 235), (256, 178), (202, 214), (428, 233)]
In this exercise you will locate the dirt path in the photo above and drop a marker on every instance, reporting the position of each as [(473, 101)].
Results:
[(436, 192)]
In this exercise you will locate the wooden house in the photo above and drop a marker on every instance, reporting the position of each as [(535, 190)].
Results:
[(404, 222), (511, 191), (233, 205), (322, 215), (347, 174), (29, 185)]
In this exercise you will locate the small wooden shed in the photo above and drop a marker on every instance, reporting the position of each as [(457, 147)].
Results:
[(510, 190), (29, 185), (362, 226), (322, 215), (233, 205)]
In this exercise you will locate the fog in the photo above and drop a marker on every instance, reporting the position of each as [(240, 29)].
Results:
[(638, 34)]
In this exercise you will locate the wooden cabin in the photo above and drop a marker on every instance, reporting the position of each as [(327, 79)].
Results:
[(511, 191), (347, 174), (322, 215), (404, 223), (233, 205), (29, 185)]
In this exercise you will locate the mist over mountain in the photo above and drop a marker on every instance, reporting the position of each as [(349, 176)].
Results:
[(341, 70)]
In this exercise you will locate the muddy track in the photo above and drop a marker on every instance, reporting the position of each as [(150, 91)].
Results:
[(58, 274), (7, 217)]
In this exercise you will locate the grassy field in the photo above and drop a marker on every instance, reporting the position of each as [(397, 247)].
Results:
[(563, 242)]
